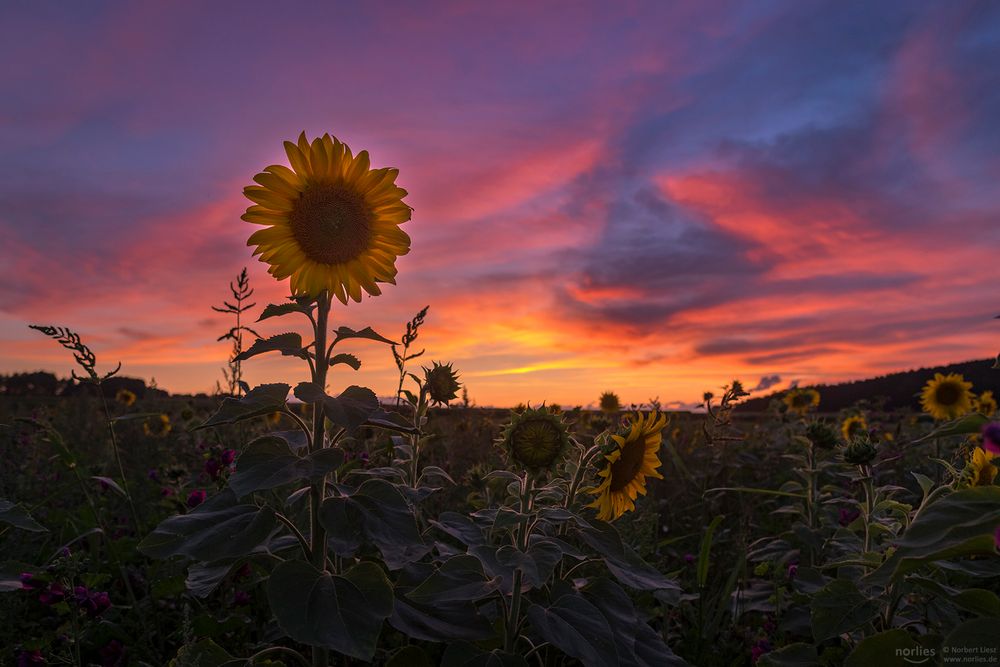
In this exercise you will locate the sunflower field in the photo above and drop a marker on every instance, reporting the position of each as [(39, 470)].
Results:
[(316, 525)]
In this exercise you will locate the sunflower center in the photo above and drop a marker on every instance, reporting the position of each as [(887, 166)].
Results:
[(331, 223), (628, 465), (947, 394), (536, 443)]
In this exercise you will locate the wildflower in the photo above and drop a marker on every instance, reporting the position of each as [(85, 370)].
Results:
[(822, 435), (158, 426), (125, 397), (991, 437), (166, 491), (985, 404), (28, 658), (331, 222), (801, 401), (979, 469), (853, 426), (535, 439), (112, 654), (187, 414), (94, 603), (759, 649), (54, 594), (212, 468), (860, 451), (634, 458), (243, 572), (241, 599), (441, 383), (227, 456), (946, 396), (196, 498), (688, 558), (153, 474), (610, 403), (793, 569), (847, 516), (363, 457)]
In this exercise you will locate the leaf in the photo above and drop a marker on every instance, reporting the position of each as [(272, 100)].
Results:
[(384, 517), (975, 640), (268, 462), (839, 607), (289, 344), (793, 655), (705, 550), (970, 423), (342, 613), (536, 564), (876, 649), (278, 310), (464, 654), (977, 600), (350, 409), (623, 562), (577, 628), (261, 400), (203, 653), (15, 515), (214, 530), (344, 358), (204, 578), (343, 333), (459, 579), (112, 484), (442, 622), (461, 527), (960, 524), (652, 651)]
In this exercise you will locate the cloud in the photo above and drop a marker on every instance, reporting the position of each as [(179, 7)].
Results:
[(766, 382)]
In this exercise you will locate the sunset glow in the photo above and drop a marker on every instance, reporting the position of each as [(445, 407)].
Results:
[(649, 198)]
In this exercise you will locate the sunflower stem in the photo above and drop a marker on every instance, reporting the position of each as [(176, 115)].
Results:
[(320, 656), (521, 536)]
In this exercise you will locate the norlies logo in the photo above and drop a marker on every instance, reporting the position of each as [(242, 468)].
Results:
[(915, 656)]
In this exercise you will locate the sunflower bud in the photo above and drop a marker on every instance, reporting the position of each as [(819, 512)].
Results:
[(535, 439), (441, 383), (861, 450), (822, 435)]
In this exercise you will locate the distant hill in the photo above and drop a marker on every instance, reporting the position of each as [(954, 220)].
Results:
[(892, 391)]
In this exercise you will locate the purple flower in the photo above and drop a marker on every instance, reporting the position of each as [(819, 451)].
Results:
[(244, 572), (27, 658), (793, 569), (847, 516), (54, 594), (688, 558), (759, 649), (195, 498), (364, 458), (228, 456), (991, 437), (26, 578), (166, 492), (212, 467), (153, 474), (241, 599), (113, 654), (94, 603)]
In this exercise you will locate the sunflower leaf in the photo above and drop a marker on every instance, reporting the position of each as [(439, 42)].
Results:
[(261, 400), (971, 423), (277, 310), (15, 515), (351, 408), (344, 358), (289, 344), (576, 627), (269, 462), (343, 333), (459, 579)]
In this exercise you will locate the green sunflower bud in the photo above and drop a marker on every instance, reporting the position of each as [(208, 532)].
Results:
[(535, 439), (441, 383), (861, 450)]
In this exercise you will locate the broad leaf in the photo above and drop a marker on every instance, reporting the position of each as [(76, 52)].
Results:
[(971, 423), (342, 613), (979, 635), (461, 527), (278, 310), (840, 607), (623, 562), (15, 515), (344, 358), (289, 344), (577, 628), (261, 400), (350, 409), (536, 564), (876, 650), (459, 579), (214, 530), (343, 333), (793, 655), (268, 462), (440, 622)]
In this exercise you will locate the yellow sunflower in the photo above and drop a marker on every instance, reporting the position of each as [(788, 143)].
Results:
[(634, 458), (986, 404), (947, 396), (852, 426), (157, 426), (332, 222), (979, 469), (125, 397), (801, 401)]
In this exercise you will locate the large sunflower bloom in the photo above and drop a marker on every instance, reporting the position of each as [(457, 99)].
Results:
[(853, 426), (332, 222), (801, 401), (979, 469), (634, 458), (947, 396)]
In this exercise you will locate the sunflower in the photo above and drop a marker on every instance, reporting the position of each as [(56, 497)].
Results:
[(979, 469), (331, 222), (947, 396), (158, 426), (535, 439), (853, 426), (634, 458), (986, 404), (441, 383), (610, 403), (125, 397), (801, 401)]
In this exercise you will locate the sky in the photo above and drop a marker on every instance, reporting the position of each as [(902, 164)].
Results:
[(650, 198)]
